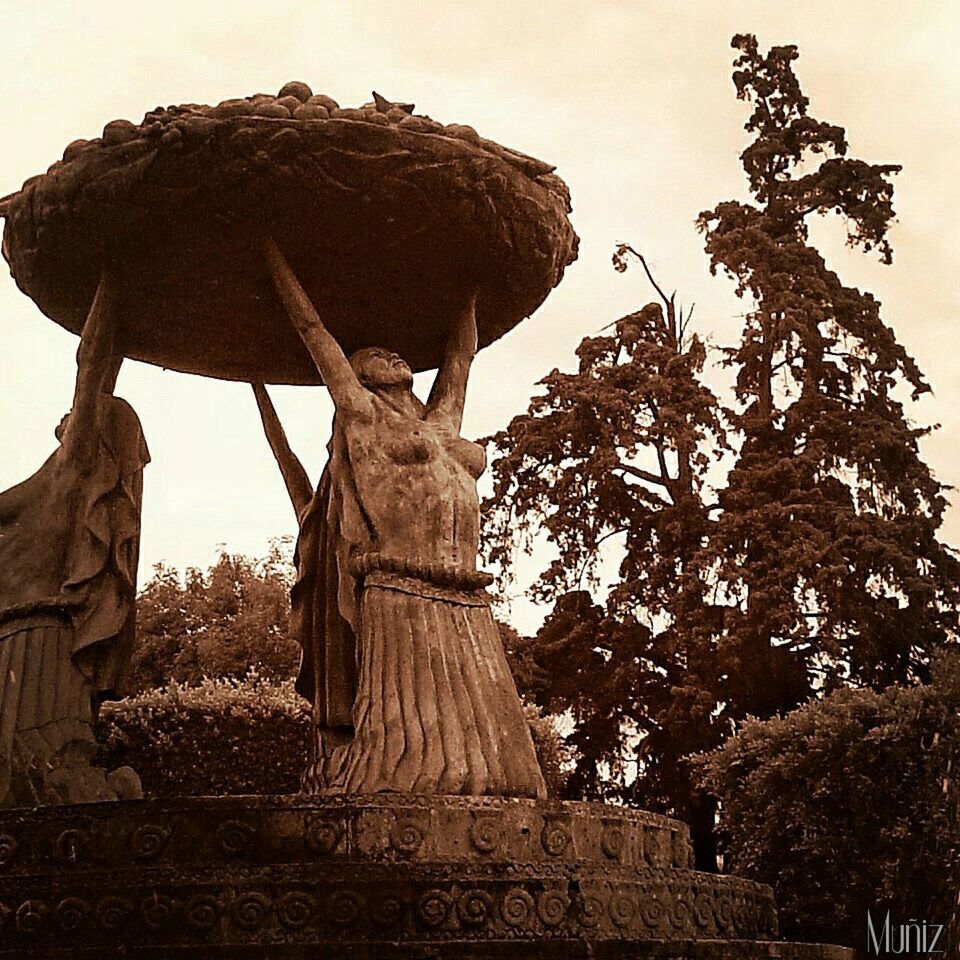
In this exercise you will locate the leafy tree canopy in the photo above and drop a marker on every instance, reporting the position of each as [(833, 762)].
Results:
[(826, 541), (814, 564), (881, 831), (216, 623)]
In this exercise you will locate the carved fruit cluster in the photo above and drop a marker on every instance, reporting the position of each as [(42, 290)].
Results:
[(294, 101)]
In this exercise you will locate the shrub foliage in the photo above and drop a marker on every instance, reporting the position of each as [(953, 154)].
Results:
[(217, 622), (229, 736), (846, 804), (221, 736)]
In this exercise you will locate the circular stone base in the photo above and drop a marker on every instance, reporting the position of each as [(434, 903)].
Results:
[(369, 877)]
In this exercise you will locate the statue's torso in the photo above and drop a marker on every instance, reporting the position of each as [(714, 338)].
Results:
[(417, 483)]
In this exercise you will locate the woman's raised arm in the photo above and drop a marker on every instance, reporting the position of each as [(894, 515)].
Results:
[(97, 364), (294, 476), (449, 391), (346, 391)]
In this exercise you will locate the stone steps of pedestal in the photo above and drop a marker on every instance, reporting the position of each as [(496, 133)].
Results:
[(364, 878), (388, 828), (527, 950)]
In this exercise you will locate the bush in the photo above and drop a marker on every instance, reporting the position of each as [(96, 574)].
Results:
[(554, 755), (846, 804), (238, 736), (216, 622), (222, 736)]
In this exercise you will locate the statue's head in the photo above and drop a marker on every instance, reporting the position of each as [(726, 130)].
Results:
[(377, 367), (62, 427)]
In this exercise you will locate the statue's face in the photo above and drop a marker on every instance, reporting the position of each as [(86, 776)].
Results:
[(61, 426), (376, 367)]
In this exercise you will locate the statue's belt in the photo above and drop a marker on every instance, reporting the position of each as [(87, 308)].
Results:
[(432, 580), (42, 612)]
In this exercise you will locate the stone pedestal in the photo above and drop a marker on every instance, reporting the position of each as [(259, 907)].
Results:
[(369, 877)]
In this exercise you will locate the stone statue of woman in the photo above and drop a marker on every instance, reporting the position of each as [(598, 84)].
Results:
[(402, 658), (69, 544)]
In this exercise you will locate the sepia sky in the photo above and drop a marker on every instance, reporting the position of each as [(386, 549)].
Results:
[(632, 101)]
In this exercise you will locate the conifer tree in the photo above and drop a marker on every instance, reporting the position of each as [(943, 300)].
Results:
[(817, 562), (617, 451), (825, 550)]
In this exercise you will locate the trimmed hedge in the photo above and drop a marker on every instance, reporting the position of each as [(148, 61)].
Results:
[(229, 736), (847, 804), (222, 736)]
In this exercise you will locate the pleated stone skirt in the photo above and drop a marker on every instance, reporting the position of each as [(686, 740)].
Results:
[(437, 711), (45, 701)]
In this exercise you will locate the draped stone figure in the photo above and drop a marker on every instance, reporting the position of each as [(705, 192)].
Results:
[(402, 658), (69, 545)]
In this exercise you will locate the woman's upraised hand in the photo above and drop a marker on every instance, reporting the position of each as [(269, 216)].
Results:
[(346, 391)]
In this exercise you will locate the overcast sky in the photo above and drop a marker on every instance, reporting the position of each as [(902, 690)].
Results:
[(631, 100)]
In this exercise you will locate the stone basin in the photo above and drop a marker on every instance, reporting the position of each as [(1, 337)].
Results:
[(386, 876)]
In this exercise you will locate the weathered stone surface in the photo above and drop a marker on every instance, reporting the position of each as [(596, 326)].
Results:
[(402, 658), (125, 783), (368, 877), (515, 950), (69, 544), (387, 218), (384, 828)]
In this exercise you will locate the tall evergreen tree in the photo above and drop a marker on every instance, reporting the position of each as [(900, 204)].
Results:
[(825, 551), (617, 451), (817, 564)]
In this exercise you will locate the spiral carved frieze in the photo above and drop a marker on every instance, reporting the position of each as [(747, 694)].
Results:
[(250, 911), (30, 916), (345, 908), (517, 908), (654, 912), (8, 849), (156, 911), (623, 908), (552, 908), (73, 845), (450, 829), (433, 907), (612, 841), (202, 912), (406, 837), (254, 871), (488, 911), (555, 838), (486, 834), (474, 908), (296, 909), (323, 836), (147, 842), (72, 914), (112, 912), (234, 836), (388, 910)]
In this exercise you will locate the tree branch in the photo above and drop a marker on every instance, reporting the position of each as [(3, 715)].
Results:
[(685, 322), (663, 481), (646, 270)]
